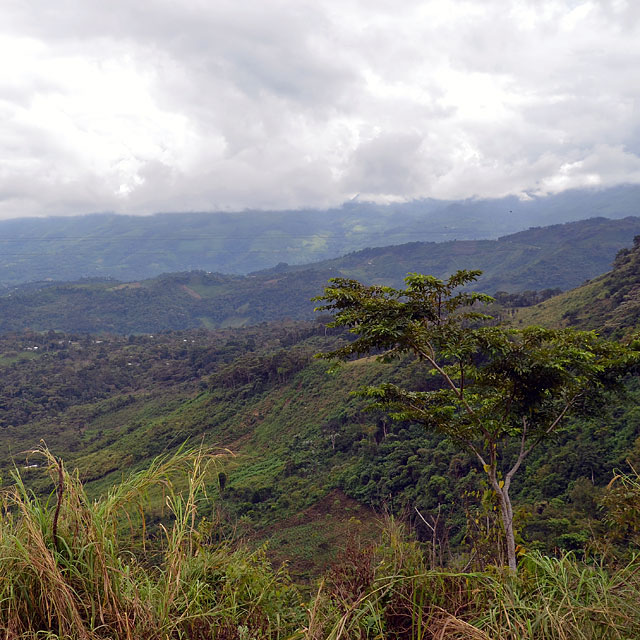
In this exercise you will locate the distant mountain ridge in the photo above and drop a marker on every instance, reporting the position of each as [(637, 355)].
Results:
[(560, 256), (557, 256), (140, 247)]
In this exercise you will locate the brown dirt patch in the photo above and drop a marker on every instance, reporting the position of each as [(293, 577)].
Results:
[(309, 541), (191, 292)]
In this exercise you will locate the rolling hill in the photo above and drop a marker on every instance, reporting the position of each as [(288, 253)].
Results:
[(559, 256), (307, 470), (609, 303)]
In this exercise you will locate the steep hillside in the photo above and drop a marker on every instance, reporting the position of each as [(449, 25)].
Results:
[(560, 256), (609, 303), (142, 247), (108, 405)]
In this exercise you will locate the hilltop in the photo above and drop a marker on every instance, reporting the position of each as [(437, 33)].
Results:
[(556, 256)]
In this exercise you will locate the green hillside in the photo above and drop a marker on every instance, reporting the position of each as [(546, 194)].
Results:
[(111, 404), (609, 303), (303, 476), (556, 256), (560, 256), (303, 448)]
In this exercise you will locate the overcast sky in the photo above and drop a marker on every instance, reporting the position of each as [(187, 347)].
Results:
[(161, 105)]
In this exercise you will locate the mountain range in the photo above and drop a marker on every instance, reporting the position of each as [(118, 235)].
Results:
[(141, 247), (559, 256)]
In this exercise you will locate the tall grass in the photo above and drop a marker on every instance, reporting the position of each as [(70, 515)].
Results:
[(550, 598), (69, 569), (72, 567)]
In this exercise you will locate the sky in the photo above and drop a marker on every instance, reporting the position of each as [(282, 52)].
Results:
[(198, 105)]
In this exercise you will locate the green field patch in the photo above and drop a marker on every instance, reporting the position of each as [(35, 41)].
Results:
[(124, 286), (209, 290), (23, 356), (207, 323), (235, 322)]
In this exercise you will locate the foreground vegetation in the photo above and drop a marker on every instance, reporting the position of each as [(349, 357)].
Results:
[(306, 451), (496, 389), (192, 546), (71, 567)]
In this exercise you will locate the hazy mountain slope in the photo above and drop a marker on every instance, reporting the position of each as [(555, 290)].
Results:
[(609, 303), (557, 256), (561, 256), (135, 247)]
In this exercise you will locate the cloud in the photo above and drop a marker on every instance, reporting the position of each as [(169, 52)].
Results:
[(142, 107)]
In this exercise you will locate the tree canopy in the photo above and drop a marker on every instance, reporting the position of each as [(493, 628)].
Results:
[(497, 391)]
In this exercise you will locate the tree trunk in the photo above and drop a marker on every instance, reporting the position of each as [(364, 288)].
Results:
[(506, 512)]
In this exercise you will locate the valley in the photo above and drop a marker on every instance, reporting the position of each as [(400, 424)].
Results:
[(107, 402)]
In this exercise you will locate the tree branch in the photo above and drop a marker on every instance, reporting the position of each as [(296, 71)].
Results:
[(480, 458), (431, 359), (521, 456), (424, 520), (525, 452), (553, 425), (453, 387)]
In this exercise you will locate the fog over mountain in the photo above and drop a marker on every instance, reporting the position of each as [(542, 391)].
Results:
[(198, 106), (133, 247)]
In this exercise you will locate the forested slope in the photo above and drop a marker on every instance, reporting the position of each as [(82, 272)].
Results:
[(609, 303), (557, 256), (560, 256), (303, 448)]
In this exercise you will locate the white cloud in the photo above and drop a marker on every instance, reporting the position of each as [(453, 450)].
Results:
[(141, 107)]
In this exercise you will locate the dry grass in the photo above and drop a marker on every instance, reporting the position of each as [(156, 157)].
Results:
[(550, 599)]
